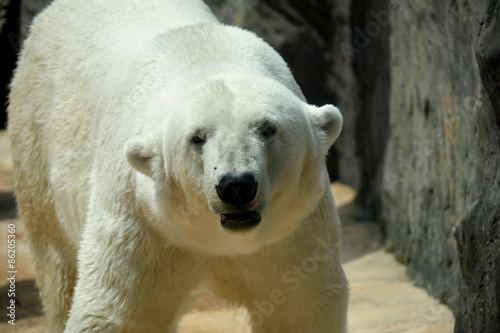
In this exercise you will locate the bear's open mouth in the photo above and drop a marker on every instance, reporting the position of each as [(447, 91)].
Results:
[(240, 221)]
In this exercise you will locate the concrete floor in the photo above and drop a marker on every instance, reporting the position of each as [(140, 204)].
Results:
[(383, 299)]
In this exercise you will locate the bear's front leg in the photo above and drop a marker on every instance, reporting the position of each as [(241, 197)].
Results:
[(299, 306), (309, 296), (297, 286), (130, 280)]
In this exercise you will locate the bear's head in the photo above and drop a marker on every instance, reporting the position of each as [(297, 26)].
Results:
[(237, 165)]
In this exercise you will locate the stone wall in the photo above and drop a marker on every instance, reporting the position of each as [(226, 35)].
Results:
[(440, 193)]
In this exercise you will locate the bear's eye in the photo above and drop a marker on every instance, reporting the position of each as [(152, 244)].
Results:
[(197, 140), (269, 131)]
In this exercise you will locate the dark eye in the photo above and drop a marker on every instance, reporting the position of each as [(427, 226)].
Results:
[(269, 131), (197, 140)]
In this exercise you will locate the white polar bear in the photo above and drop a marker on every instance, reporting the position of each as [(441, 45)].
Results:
[(159, 153)]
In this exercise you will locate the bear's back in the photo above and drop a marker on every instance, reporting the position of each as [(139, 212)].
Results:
[(75, 51)]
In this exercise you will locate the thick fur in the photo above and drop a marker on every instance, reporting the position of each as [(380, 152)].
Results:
[(124, 116)]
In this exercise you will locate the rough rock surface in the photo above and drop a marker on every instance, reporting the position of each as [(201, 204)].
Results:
[(478, 231), (441, 184)]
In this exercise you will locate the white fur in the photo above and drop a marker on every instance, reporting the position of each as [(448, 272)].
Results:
[(104, 104)]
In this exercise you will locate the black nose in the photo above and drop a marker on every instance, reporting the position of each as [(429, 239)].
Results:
[(237, 189)]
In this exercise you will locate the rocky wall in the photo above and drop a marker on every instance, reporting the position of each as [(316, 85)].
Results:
[(440, 192)]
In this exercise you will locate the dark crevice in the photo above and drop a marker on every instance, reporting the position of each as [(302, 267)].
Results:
[(9, 44), (298, 12), (488, 56), (371, 66)]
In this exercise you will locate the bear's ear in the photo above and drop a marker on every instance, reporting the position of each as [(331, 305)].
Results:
[(326, 122), (140, 154)]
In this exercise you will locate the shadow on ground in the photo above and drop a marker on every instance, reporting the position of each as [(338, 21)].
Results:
[(360, 235), (27, 299), (8, 210)]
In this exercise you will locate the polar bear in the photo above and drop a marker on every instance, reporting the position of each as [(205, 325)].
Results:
[(159, 153)]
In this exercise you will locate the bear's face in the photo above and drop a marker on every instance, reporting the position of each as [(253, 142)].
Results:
[(239, 165)]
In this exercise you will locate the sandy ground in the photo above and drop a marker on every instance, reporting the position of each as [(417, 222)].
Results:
[(383, 299)]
